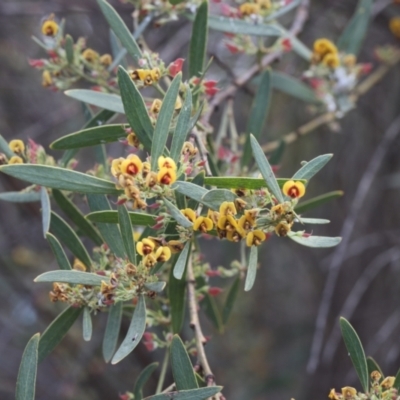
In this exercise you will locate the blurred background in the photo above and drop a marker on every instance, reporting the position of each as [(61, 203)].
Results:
[(270, 348)]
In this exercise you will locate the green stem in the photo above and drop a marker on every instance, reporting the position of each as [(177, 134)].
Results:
[(164, 367)]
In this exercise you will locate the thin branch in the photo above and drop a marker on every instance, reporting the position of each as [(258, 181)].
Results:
[(346, 233)]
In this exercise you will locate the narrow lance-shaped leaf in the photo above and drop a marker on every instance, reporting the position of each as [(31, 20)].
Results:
[(72, 276), (69, 49), (198, 41), (353, 36), (182, 368), (182, 126), (120, 29), (230, 300), (210, 308), (315, 241), (87, 327), (111, 217), (240, 182), (180, 264), (176, 296), (20, 197), (108, 101), (309, 169), (199, 181), (59, 178), (110, 232), (58, 252), (56, 331), (26, 381), (356, 352), (193, 394), (135, 332), (5, 148), (135, 109), (373, 366), (216, 197), (73, 212), (396, 384), (258, 114), (164, 121), (317, 221), (127, 233), (155, 286), (67, 235), (46, 210), (317, 201), (177, 215), (265, 169), (112, 331), (190, 190), (251, 269), (142, 380)]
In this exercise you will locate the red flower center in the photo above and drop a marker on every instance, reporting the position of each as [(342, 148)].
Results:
[(293, 192), (132, 169)]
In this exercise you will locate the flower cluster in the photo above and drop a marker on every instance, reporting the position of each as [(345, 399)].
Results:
[(146, 76), (153, 251)]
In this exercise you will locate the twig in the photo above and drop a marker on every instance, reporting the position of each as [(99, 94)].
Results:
[(346, 233), (163, 372), (202, 150)]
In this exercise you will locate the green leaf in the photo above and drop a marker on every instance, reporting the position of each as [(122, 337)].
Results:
[(59, 178), (26, 381), (120, 29), (198, 41), (293, 87), (230, 300), (373, 366), (20, 197), (112, 330), (46, 210), (317, 221), (352, 37), (5, 148), (90, 137), (77, 217), (190, 190), (265, 169), (317, 201), (164, 121), (199, 181), (193, 394), (356, 352), (100, 118), (155, 286), (56, 331), (180, 265), (182, 126), (177, 297), (283, 10), (69, 49), (175, 2), (71, 276), (258, 114), (110, 232), (182, 368), (252, 268), (142, 379), (135, 332), (111, 217), (396, 384), (135, 109), (276, 156), (67, 235), (58, 252), (209, 306), (239, 27), (87, 326), (215, 197), (127, 233), (240, 182), (177, 215), (315, 241), (308, 170), (117, 51), (107, 101)]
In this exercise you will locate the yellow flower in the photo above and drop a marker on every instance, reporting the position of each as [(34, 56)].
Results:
[(106, 60), (151, 178), (324, 46), (166, 162), (15, 160), (189, 214), (249, 8), (331, 60), (350, 60), (294, 189), (78, 265), (376, 376), (156, 106), (145, 246), (227, 208), (349, 392), (282, 228), (146, 168), (116, 166), (17, 146), (163, 254), (175, 246), (388, 382), (47, 80), (166, 176), (155, 74), (133, 140), (235, 235), (333, 395), (394, 26), (254, 238), (189, 149), (213, 215), (203, 224), (90, 55), (264, 4), (227, 222), (132, 165), (178, 103), (149, 260), (50, 27)]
